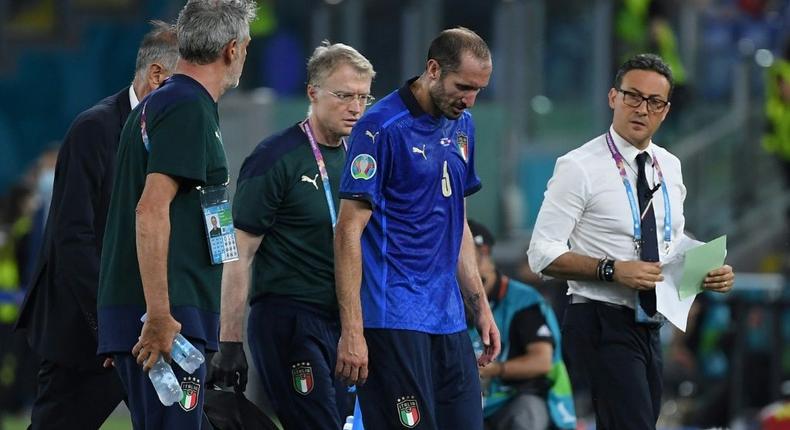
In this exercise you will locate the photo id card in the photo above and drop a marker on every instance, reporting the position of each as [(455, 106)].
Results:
[(218, 219)]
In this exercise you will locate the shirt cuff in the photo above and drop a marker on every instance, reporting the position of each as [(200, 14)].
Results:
[(542, 254)]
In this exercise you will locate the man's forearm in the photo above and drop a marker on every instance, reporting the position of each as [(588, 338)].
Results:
[(348, 278), (538, 363), (469, 277), (572, 266), (153, 237), (235, 287)]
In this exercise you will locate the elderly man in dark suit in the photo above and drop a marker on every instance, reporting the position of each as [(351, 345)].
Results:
[(75, 389)]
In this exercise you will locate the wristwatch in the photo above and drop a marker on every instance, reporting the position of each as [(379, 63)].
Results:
[(608, 270)]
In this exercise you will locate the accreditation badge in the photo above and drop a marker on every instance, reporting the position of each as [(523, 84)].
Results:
[(218, 219)]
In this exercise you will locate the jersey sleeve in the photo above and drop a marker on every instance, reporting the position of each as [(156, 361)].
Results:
[(472, 182), (178, 142), (528, 326), (367, 164), (259, 193)]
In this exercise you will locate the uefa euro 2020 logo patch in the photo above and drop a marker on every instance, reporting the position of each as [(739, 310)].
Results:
[(191, 388), (302, 374), (408, 411), (363, 167)]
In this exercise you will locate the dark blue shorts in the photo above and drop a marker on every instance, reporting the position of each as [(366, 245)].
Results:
[(420, 380), (147, 412), (294, 348)]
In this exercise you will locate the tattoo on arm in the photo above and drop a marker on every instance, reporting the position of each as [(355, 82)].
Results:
[(473, 301)]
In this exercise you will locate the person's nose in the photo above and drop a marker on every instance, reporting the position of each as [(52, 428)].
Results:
[(642, 108), (356, 106), (469, 99)]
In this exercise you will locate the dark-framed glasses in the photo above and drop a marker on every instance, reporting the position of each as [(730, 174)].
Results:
[(365, 99), (634, 100)]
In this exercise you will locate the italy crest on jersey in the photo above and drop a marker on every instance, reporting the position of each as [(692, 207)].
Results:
[(463, 144), (408, 411), (302, 374), (191, 388)]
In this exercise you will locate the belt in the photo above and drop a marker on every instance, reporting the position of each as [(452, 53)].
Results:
[(577, 299)]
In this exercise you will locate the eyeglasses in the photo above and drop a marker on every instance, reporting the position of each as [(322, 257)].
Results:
[(365, 99), (654, 104)]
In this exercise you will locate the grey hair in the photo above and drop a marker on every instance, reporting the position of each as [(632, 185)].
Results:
[(160, 45), (204, 27), (328, 56)]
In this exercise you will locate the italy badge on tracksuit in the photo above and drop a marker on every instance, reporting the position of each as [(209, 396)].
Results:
[(302, 374), (408, 411), (191, 389)]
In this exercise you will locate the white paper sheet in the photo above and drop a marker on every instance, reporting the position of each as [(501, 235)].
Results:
[(667, 302)]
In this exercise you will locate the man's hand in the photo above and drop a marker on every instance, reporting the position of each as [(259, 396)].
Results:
[(639, 275), (156, 338), (228, 367), (719, 280), (489, 334), (352, 358)]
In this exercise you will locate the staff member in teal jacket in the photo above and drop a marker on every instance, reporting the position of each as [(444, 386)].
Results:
[(528, 386)]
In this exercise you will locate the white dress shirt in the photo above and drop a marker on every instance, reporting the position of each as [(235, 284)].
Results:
[(586, 210), (133, 97)]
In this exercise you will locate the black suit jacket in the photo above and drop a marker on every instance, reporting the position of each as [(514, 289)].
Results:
[(59, 312)]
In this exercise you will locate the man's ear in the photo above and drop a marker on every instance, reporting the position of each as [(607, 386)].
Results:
[(434, 69), (612, 96), (231, 51), (156, 75), (311, 93)]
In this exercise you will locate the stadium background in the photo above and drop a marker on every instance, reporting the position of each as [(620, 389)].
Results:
[(553, 64)]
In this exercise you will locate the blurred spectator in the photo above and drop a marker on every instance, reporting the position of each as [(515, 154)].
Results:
[(645, 26), (43, 180), (776, 139), (527, 387), (697, 363), (16, 368)]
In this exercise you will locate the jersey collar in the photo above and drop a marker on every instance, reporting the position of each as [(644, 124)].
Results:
[(409, 100)]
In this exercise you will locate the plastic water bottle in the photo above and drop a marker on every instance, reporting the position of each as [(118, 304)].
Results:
[(477, 346), (165, 382), (184, 353), (349, 425)]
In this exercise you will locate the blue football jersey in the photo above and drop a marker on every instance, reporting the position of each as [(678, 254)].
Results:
[(415, 170)]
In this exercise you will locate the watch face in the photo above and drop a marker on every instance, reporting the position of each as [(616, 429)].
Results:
[(608, 270)]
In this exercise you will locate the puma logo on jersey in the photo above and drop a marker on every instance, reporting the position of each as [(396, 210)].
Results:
[(371, 135), (312, 181), (417, 150)]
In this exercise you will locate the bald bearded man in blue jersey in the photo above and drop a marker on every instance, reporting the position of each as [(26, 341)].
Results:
[(403, 248)]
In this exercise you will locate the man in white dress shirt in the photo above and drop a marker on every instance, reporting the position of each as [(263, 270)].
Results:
[(613, 207)]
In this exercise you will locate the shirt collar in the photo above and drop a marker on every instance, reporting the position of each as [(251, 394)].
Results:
[(628, 151), (409, 100), (133, 101)]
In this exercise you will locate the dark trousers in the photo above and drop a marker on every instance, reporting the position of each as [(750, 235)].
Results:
[(294, 349), (621, 361), (420, 380), (70, 398)]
